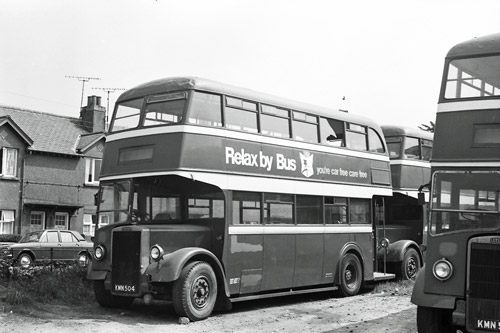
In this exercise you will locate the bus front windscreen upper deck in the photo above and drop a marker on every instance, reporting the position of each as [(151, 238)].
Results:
[(464, 200), (474, 77)]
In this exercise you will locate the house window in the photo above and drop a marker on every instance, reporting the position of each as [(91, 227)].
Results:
[(92, 171), (8, 159), (61, 221), (37, 220), (88, 226), (6, 222)]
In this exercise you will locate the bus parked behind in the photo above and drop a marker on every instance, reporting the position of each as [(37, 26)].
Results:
[(409, 151)]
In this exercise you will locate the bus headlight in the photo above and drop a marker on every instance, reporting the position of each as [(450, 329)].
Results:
[(442, 269), (156, 252), (99, 252)]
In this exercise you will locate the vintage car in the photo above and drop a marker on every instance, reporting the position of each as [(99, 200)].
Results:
[(49, 246)]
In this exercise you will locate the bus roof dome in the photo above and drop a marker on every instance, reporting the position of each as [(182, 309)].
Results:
[(479, 45)]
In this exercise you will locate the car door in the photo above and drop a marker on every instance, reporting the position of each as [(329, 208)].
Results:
[(50, 246), (70, 246)]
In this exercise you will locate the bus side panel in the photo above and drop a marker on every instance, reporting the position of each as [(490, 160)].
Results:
[(308, 260), (333, 246), (244, 263), (279, 261), (365, 242)]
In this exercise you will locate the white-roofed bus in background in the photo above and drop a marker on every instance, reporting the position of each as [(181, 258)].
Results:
[(410, 151), (217, 194)]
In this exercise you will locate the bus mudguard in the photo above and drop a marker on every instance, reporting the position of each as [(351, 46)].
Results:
[(95, 275), (169, 268), (396, 251), (418, 297), (354, 248)]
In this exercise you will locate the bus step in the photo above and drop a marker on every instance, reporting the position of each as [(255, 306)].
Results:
[(377, 276)]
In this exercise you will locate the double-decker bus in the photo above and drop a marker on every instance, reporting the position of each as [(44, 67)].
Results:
[(459, 285), (409, 151), (215, 194)]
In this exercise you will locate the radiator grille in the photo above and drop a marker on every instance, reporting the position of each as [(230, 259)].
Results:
[(484, 287), (125, 265)]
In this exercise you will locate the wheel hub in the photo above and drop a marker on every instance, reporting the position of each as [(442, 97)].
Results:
[(200, 292)]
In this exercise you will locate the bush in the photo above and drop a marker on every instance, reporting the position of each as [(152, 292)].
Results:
[(10, 238), (41, 284)]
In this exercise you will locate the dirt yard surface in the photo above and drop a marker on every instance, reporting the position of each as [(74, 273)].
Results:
[(388, 312)]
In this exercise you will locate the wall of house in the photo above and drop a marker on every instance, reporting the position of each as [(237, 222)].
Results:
[(55, 183), (10, 187)]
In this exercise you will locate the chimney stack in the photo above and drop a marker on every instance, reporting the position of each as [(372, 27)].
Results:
[(93, 115)]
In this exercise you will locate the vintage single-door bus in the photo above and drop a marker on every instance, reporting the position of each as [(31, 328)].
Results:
[(459, 285), (409, 151), (214, 194)]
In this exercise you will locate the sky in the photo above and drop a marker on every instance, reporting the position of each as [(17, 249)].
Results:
[(379, 59)]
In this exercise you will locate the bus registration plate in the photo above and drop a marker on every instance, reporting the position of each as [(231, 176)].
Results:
[(124, 288)]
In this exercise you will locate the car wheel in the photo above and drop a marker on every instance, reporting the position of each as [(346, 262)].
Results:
[(83, 259), (25, 260), (195, 291)]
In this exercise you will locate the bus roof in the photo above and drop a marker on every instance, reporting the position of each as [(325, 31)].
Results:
[(196, 83), (477, 46), (394, 130)]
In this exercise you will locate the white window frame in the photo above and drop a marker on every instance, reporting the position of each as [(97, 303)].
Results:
[(66, 220), (7, 218), (88, 225), (90, 171), (9, 162), (37, 227)]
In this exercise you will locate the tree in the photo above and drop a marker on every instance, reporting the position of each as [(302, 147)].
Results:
[(427, 128)]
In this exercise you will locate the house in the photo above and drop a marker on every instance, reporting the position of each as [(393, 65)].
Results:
[(49, 168)]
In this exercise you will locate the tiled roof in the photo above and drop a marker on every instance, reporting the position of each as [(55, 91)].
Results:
[(50, 133), (88, 140)]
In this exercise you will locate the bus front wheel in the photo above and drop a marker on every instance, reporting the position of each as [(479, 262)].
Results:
[(410, 265), (351, 275), (195, 291), (433, 320)]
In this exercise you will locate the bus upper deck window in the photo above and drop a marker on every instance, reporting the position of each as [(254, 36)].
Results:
[(305, 127), (356, 137), (127, 115), (205, 110), (473, 77), (375, 142), (165, 109), (332, 132), (241, 115), (412, 148)]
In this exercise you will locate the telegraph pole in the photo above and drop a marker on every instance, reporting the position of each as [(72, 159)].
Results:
[(83, 79), (108, 90)]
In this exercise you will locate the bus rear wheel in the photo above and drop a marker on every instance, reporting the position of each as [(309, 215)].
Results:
[(351, 275), (195, 291), (432, 320), (107, 300)]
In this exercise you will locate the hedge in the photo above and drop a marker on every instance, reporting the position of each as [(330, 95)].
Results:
[(10, 238)]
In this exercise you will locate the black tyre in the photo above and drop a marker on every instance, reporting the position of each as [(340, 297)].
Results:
[(25, 260), (195, 291), (351, 275), (431, 320), (410, 265), (107, 300)]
